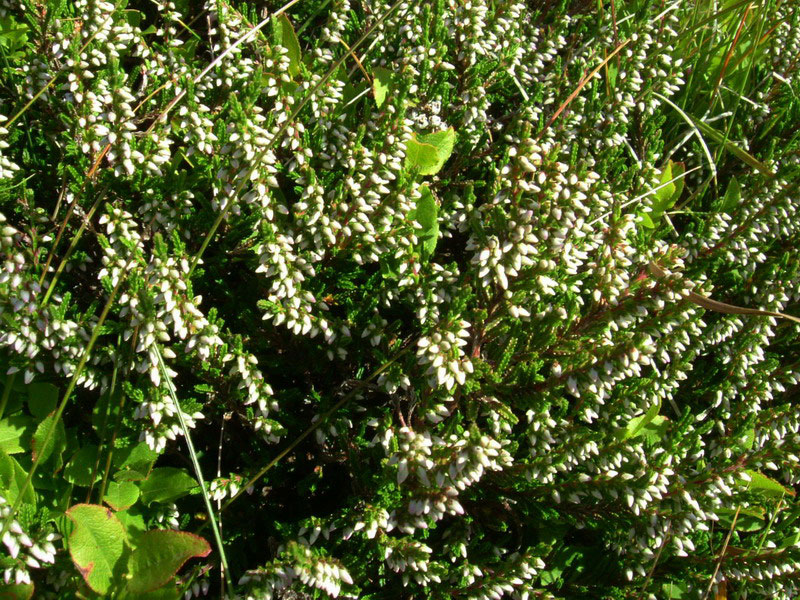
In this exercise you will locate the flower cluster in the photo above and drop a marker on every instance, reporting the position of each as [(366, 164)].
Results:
[(510, 283)]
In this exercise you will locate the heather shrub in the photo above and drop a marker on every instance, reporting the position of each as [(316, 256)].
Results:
[(450, 299)]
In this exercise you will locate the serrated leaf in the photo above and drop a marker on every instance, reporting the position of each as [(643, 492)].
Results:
[(426, 214), (121, 495), (284, 35), (762, 484), (96, 545), (733, 195), (381, 82), (428, 153), (43, 448), (166, 484), (12, 479), (15, 434), (42, 399), (158, 556), (80, 467)]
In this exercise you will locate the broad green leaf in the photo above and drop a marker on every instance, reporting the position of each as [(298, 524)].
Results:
[(54, 446), (381, 81), (674, 591), (749, 519), (428, 153), (749, 439), (105, 411), (765, 486), (121, 495), (133, 522), (665, 197), (133, 17), (10, 591), (13, 34), (158, 556), (733, 195), (165, 484), (42, 399), (654, 431), (139, 457), (284, 35), (129, 475), (422, 157), (80, 467), (389, 267), (12, 479), (96, 545), (636, 426), (426, 214), (15, 434)]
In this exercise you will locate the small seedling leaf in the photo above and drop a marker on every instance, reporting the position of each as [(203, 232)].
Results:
[(733, 195), (426, 214), (284, 35), (381, 82), (428, 153), (121, 495)]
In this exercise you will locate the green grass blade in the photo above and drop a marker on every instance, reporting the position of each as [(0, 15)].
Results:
[(198, 472)]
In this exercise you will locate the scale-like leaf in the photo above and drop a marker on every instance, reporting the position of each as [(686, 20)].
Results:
[(158, 556), (96, 545)]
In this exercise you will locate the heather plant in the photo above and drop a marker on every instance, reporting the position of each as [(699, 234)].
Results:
[(385, 300)]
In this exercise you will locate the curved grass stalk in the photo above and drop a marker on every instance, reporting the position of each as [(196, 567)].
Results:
[(197, 470), (694, 124), (245, 180)]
